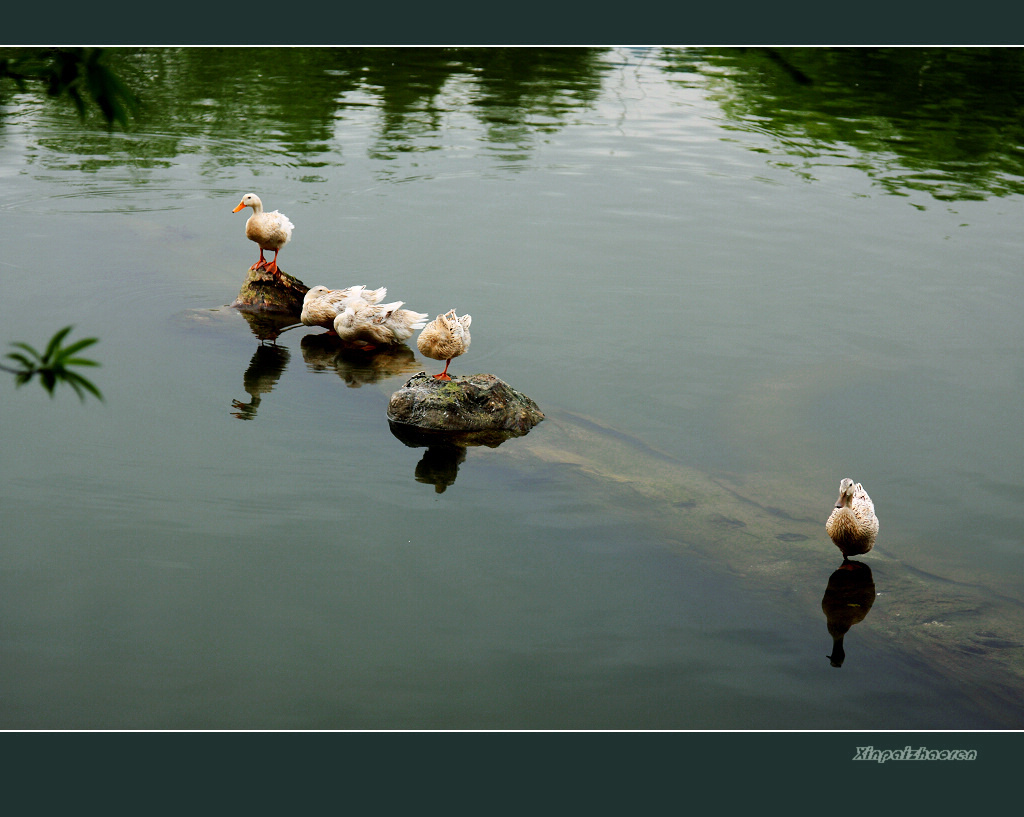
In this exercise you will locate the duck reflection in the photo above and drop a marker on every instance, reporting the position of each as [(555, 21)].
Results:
[(268, 326), (847, 600), (355, 365), (446, 451), (265, 369), (439, 466)]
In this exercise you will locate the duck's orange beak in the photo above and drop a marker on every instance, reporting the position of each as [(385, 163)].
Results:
[(241, 205)]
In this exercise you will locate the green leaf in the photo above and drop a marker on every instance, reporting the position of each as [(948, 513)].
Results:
[(52, 366), (24, 361), (79, 383), (55, 342), (79, 345), (80, 361), (27, 348), (49, 380)]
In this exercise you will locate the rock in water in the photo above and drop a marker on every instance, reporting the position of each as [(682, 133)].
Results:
[(477, 403), (263, 292)]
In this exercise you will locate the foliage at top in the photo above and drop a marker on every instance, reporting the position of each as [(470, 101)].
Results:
[(945, 121), (80, 74)]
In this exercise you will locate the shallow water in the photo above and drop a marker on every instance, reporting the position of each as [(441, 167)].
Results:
[(767, 282)]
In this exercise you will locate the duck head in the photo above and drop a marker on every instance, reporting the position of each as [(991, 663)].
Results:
[(845, 493), (249, 200)]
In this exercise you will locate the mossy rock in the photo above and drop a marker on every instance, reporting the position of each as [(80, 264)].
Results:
[(266, 293), (476, 404)]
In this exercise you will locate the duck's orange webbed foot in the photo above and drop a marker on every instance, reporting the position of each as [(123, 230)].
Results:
[(271, 266)]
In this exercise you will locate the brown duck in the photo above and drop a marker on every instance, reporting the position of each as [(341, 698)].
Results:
[(445, 338), (852, 524)]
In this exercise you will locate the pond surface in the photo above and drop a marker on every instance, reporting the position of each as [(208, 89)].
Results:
[(770, 269)]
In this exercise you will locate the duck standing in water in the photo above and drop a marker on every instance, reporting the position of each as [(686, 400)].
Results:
[(853, 525), (270, 231), (444, 338), (321, 305)]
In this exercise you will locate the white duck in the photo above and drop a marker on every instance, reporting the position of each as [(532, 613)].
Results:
[(446, 337), (321, 305), (853, 525), (270, 231), (367, 324)]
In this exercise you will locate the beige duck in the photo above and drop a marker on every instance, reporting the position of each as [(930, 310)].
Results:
[(445, 338), (369, 325), (321, 305), (853, 525), (270, 231)]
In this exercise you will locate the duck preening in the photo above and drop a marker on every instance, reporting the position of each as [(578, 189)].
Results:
[(270, 231), (445, 338), (322, 305), (852, 524), (371, 324)]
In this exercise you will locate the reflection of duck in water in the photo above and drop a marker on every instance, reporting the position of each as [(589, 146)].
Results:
[(446, 337), (847, 600), (446, 451), (370, 325), (440, 466), (268, 326), (357, 366), (320, 305), (270, 231), (853, 525), (265, 369)]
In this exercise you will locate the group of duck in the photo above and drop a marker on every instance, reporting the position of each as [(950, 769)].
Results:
[(355, 314)]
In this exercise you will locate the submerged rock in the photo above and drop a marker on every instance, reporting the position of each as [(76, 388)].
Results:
[(263, 292), (479, 406)]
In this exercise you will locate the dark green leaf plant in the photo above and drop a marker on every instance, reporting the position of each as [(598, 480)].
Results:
[(51, 365)]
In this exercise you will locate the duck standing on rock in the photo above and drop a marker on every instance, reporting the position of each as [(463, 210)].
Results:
[(271, 231), (444, 338), (369, 324), (321, 305), (853, 525)]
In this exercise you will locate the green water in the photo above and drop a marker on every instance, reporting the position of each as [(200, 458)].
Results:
[(776, 269)]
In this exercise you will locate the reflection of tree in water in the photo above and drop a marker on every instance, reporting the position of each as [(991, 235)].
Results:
[(946, 121), (516, 93), (525, 92), (282, 106)]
